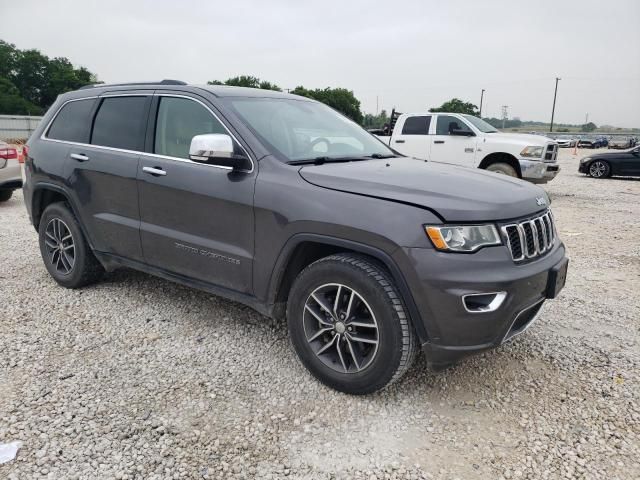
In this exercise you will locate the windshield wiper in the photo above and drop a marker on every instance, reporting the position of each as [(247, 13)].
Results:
[(381, 155), (321, 160)]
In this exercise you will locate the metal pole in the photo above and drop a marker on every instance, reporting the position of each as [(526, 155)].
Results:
[(553, 109), (481, 97)]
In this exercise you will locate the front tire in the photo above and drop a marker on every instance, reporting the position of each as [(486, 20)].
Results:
[(503, 169), (5, 195), (348, 324), (65, 252), (599, 169)]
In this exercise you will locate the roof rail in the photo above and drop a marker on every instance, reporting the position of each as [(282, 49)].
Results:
[(161, 82)]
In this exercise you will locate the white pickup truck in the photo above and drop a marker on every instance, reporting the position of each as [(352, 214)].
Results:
[(470, 141)]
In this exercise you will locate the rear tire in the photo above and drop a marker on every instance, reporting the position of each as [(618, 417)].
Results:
[(359, 344), (503, 169), (599, 169), (65, 252), (5, 195)]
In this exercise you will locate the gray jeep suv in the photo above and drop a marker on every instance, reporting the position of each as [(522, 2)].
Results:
[(283, 204)]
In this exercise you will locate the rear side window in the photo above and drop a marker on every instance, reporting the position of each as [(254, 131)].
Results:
[(178, 121), (416, 125), (73, 122), (120, 123), (447, 123)]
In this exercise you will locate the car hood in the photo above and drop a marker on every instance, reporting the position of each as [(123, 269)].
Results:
[(456, 194), (519, 138)]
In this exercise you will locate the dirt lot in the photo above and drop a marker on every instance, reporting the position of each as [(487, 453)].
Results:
[(139, 378)]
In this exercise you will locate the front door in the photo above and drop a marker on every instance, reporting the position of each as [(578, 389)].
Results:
[(630, 162), (196, 219), (448, 148)]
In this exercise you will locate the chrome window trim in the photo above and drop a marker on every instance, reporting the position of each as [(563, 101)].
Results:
[(148, 154)]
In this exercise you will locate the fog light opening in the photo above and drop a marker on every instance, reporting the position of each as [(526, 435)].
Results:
[(483, 302)]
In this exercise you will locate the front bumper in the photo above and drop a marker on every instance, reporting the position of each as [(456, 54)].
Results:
[(438, 282), (537, 171)]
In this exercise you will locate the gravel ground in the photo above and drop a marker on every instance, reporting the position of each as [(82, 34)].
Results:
[(139, 378)]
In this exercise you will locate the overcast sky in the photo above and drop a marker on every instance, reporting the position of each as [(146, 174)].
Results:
[(409, 54)]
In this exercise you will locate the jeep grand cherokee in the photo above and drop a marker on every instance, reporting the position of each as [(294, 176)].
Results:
[(283, 204)]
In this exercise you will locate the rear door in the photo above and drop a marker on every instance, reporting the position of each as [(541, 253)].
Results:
[(449, 148), (102, 174), (197, 218), (411, 136)]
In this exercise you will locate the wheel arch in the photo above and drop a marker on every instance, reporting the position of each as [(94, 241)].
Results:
[(303, 249), (501, 157), (44, 194)]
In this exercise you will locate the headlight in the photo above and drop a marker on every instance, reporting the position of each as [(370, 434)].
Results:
[(585, 159), (532, 152), (462, 238)]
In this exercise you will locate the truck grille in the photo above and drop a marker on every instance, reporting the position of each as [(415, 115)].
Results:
[(531, 238), (551, 153)]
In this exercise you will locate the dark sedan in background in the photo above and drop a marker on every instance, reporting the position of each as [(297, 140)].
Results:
[(624, 163)]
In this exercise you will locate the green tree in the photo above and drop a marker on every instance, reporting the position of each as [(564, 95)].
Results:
[(7, 59), (589, 127), (455, 105), (38, 78), (340, 99), (11, 103), (247, 81), (375, 121)]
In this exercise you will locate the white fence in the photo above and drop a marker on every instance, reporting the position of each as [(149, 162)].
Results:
[(17, 127)]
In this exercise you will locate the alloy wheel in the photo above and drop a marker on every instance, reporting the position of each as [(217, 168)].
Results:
[(340, 328), (597, 169), (60, 246)]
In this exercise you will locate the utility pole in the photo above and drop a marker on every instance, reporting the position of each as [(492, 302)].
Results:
[(553, 109), (481, 97), (505, 115)]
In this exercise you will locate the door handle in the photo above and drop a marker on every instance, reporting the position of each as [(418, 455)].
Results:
[(79, 157), (155, 171), (438, 141), (399, 141)]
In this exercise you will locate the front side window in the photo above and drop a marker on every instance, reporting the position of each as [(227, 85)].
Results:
[(178, 121), (72, 122), (446, 124), (418, 125), (302, 130), (120, 123)]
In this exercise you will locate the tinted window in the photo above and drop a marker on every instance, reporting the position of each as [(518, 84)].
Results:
[(447, 123), (178, 121), (416, 126), (120, 123), (72, 122)]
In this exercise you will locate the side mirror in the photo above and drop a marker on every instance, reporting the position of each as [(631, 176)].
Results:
[(218, 149), (461, 133)]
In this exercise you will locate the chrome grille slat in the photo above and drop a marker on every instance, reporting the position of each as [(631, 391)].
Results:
[(530, 238)]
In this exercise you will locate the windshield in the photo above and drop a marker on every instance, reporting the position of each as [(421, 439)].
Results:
[(303, 130), (480, 124)]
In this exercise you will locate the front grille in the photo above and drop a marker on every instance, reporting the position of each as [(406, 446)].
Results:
[(551, 153), (530, 238)]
